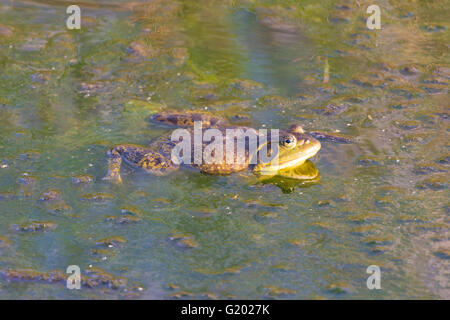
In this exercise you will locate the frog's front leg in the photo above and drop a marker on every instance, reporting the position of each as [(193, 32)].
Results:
[(114, 162), (138, 157)]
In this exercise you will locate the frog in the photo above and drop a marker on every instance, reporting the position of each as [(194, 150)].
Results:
[(294, 148)]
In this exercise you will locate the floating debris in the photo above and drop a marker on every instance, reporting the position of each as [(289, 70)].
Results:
[(131, 211), (34, 226), (184, 241), (59, 208), (340, 288), (50, 195), (277, 292), (82, 179), (4, 242), (6, 195), (180, 295), (27, 180), (91, 278), (434, 183), (110, 242), (142, 49), (331, 137), (409, 70), (427, 168), (123, 219), (97, 197), (6, 31)]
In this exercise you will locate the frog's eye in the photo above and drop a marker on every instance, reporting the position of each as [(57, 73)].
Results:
[(288, 142)]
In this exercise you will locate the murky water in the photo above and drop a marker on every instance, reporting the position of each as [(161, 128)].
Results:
[(67, 96)]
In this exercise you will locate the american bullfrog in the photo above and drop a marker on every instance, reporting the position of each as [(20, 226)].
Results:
[(294, 148)]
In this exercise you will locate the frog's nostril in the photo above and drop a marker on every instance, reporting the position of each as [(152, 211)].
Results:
[(307, 141)]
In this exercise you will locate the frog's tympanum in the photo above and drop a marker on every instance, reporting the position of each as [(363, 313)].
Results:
[(294, 148)]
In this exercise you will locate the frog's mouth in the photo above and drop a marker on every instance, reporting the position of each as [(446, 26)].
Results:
[(291, 161)]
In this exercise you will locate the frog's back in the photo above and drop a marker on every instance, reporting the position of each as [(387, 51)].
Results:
[(210, 163), (213, 160)]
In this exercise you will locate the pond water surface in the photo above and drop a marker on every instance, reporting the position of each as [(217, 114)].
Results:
[(66, 96)]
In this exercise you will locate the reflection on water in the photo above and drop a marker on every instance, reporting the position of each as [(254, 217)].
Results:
[(67, 96), (301, 176)]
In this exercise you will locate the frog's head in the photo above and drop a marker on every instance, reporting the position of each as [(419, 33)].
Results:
[(294, 148)]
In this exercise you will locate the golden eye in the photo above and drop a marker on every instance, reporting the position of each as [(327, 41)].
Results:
[(288, 142)]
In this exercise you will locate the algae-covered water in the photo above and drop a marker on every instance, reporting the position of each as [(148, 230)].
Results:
[(66, 96)]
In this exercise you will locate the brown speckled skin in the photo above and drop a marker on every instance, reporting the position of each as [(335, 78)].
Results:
[(187, 119), (138, 157), (223, 167), (156, 158)]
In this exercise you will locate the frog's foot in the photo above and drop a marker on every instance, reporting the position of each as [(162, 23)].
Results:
[(113, 174), (114, 162), (138, 157), (187, 118)]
